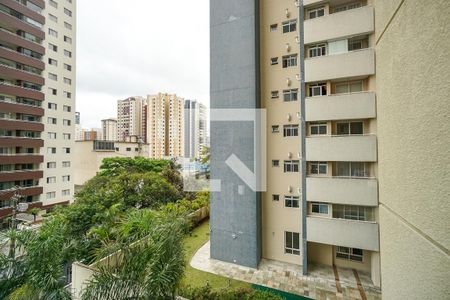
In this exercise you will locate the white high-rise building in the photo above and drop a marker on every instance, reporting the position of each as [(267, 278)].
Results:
[(131, 118), (195, 130), (109, 129), (59, 89)]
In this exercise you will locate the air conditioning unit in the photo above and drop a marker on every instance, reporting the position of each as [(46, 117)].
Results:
[(289, 155), (287, 13), (288, 47), (288, 81), (289, 117), (289, 189)]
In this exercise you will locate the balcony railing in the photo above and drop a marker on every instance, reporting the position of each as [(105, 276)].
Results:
[(341, 232), (343, 190), (359, 105), (356, 148)]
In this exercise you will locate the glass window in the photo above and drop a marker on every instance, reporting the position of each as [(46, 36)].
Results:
[(291, 166), (317, 89), (275, 197), (290, 130), (318, 168), (274, 94), (316, 12), (290, 95), (292, 201), (273, 27), (275, 129), (292, 243), (317, 50), (320, 208), (290, 61), (318, 128), (290, 26), (346, 128), (275, 163), (274, 61)]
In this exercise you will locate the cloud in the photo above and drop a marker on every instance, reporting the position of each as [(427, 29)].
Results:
[(139, 47)]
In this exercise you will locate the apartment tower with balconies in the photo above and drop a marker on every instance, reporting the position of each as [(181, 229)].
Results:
[(22, 66), (131, 118), (375, 102), (341, 216), (60, 114)]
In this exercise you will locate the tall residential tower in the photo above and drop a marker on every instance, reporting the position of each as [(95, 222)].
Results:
[(165, 135), (59, 89), (22, 49), (371, 172), (131, 118), (195, 128)]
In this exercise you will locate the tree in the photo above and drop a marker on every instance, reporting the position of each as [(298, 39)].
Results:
[(151, 267), (206, 155), (116, 165)]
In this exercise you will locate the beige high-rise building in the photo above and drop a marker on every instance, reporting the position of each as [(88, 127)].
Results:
[(109, 128), (131, 118), (59, 89), (376, 118), (341, 143), (165, 127)]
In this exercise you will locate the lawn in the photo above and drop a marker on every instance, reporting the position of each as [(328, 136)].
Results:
[(197, 278)]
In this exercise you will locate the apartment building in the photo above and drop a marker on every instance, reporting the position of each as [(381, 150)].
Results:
[(195, 128), (22, 65), (90, 155), (109, 129), (59, 89), (165, 125), (367, 205), (131, 118)]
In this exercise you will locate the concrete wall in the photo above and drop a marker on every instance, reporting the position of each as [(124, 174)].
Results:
[(342, 148), (235, 212), (351, 64), (343, 190), (413, 42), (341, 107), (340, 232), (347, 23)]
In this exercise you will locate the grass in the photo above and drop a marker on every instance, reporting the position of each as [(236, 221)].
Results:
[(197, 278)]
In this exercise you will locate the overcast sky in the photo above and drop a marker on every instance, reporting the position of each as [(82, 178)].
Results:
[(139, 47)]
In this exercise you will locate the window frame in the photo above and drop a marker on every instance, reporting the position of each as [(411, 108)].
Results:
[(289, 26), (292, 201), (341, 253), (318, 165), (290, 249)]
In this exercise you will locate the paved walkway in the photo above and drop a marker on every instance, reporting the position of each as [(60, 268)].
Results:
[(322, 282)]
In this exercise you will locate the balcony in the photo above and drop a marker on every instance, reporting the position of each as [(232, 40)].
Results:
[(13, 24), (21, 92), (24, 10), (352, 22), (21, 158), (337, 190), (18, 40), (21, 58), (17, 74), (21, 142), (346, 65), (357, 148), (341, 107), (339, 232), (21, 125), (11, 107), (21, 175)]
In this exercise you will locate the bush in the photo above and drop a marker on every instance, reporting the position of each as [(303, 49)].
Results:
[(206, 293)]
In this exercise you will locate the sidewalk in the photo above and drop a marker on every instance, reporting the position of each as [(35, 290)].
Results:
[(321, 282)]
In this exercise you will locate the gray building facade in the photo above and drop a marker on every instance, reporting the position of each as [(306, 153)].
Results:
[(236, 209)]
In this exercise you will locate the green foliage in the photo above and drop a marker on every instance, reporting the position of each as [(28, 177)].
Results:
[(150, 268), (207, 293), (116, 165)]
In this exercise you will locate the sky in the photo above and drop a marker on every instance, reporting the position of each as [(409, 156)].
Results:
[(139, 47)]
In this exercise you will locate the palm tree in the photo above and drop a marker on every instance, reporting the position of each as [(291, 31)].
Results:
[(150, 268)]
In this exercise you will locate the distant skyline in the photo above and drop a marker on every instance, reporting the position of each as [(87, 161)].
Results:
[(141, 48)]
